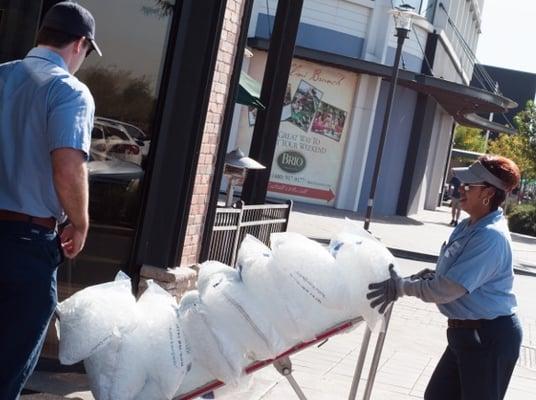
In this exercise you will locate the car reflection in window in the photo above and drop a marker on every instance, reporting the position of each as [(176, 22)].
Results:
[(119, 140), (115, 173)]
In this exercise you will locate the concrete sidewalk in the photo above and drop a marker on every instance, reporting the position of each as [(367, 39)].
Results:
[(417, 237)]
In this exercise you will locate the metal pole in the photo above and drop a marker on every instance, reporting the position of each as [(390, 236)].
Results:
[(230, 190), (376, 357), (284, 367), (360, 364), (274, 87), (491, 115), (401, 34)]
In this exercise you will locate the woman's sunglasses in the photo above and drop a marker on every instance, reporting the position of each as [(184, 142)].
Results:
[(467, 186)]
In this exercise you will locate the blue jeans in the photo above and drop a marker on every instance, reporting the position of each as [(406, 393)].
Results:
[(478, 363), (29, 257)]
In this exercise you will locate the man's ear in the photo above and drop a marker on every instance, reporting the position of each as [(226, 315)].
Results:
[(80, 45)]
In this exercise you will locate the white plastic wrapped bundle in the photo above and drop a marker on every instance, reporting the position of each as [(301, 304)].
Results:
[(362, 260), (235, 315), (254, 264), (206, 349), (100, 369), (309, 282), (91, 317), (154, 357)]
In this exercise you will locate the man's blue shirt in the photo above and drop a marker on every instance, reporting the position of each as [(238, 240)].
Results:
[(42, 108), (479, 257)]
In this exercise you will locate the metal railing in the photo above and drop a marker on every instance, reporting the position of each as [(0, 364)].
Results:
[(231, 225)]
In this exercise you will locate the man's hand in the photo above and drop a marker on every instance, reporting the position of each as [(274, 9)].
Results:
[(425, 274), (72, 240), (386, 292), (71, 183)]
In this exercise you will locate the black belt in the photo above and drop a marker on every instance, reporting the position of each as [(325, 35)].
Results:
[(49, 223), (465, 323)]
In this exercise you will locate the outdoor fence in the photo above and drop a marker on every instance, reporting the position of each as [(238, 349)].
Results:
[(231, 225)]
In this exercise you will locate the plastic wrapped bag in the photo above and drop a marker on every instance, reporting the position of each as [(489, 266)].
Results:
[(255, 269), (361, 260), (309, 282), (154, 357), (93, 316), (100, 369), (235, 314), (206, 349)]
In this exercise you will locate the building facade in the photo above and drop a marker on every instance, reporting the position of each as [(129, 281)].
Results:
[(331, 122)]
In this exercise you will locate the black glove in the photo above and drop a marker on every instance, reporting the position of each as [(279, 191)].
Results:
[(384, 293), (425, 274)]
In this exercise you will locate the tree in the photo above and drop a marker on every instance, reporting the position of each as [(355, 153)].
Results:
[(161, 8), (471, 139), (525, 122), (518, 149)]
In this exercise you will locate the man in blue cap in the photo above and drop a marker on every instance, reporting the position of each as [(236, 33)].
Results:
[(46, 117)]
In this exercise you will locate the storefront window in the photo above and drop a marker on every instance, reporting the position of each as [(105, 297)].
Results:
[(125, 84)]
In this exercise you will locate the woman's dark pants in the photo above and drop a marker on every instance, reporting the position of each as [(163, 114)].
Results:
[(478, 363), (29, 257)]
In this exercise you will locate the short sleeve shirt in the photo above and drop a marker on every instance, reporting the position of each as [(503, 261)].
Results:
[(479, 257), (42, 108), (455, 186)]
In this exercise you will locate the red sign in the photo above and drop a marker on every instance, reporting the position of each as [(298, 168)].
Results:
[(302, 191)]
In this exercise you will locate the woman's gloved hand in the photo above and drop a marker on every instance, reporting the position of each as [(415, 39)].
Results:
[(425, 274), (386, 292)]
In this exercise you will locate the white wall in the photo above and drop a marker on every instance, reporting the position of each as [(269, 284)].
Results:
[(344, 16)]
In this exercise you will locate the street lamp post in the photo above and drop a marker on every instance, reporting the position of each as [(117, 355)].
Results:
[(403, 16)]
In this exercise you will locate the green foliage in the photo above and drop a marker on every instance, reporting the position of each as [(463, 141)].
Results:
[(525, 122), (516, 148), (520, 148), (121, 96), (470, 139), (522, 219)]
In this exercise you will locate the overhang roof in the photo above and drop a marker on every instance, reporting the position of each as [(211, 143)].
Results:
[(462, 102)]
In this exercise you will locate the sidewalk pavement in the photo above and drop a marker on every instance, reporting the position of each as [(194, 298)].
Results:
[(414, 342), (418, 237)]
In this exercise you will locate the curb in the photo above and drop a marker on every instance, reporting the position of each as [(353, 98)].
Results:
[(520, 269)]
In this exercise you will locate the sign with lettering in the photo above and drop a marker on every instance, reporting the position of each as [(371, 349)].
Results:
[(313, 131)]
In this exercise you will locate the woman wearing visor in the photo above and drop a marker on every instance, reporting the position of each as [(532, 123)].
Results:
[(472, 287)]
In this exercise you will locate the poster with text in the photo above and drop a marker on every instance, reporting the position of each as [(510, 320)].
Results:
[(312, 133)]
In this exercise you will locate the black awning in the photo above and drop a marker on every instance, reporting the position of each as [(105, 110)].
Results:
[(460, 101), (249, 91), (463, 102)]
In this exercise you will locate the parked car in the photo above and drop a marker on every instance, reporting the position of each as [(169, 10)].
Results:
[(119, 140)]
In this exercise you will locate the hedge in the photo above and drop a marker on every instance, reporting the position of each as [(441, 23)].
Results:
[(522, 219)]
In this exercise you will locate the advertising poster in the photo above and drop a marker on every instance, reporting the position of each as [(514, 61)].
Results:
[(313, 131)]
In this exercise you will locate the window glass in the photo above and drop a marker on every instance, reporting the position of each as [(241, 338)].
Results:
[(125, 82)]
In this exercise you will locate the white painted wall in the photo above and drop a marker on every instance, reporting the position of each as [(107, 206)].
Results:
[(357, 144), (344, 16), (438, 154)]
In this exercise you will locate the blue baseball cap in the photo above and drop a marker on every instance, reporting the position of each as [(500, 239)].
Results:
[(72, 18)]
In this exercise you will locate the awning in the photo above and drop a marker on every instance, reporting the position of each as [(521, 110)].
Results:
[(460, 101), (249, 91), (463, 102)]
